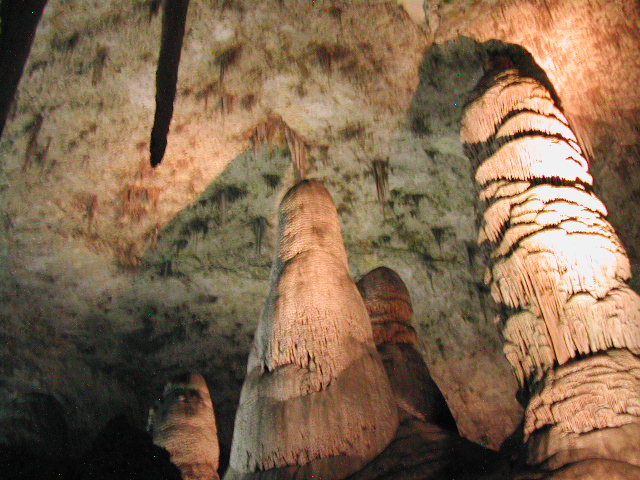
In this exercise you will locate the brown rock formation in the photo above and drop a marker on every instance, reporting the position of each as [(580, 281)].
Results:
[(183, 422), (316, 402), (389, 306), (558, 265)]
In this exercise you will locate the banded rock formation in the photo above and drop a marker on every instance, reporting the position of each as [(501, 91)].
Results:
[(389, 305), (183, 422), (316, 401), (427, 444), (573, 332)]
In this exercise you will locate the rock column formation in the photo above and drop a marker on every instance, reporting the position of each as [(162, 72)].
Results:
[(389, 306), (183, 422), (316, 401), (572, 327)]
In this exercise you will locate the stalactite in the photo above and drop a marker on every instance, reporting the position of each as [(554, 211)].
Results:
[(259, 226), (174, 19), (183, 422), (223, 205), (380, 170), (269, 133), (316, 401), (226, 59), (509, 93), (532, 157), (558, 263), (98, 65), (33, 149), (299, 152), (526, 122)]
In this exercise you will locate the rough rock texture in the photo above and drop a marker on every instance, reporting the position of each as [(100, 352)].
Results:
[(555, 261), (389, 306), (572, 324), (183, 422), (116, 277), (316, 402)]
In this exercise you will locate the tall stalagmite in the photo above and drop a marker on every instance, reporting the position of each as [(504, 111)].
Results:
[(573, 326), (316, 401), (183, 422), (389, 306), (427, 444)]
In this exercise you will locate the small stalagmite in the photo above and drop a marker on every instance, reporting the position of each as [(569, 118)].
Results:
[(183, 422), (389, 306), (316, 401), (573, 335)]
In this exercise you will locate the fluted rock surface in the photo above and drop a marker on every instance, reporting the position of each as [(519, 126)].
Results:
[(559, 267), (389, 305), (316, 401), (183, 422)]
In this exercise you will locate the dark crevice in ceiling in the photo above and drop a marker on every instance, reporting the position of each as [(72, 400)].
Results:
[(173, 24), (18, 28)]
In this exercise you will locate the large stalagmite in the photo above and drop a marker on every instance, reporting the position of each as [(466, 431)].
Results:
[(389, 306), (573, 334), (316, 401), (183, 422), (427, 444)]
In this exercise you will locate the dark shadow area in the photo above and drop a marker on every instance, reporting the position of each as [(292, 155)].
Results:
[(19, 21), (120, 451), (174, 18)]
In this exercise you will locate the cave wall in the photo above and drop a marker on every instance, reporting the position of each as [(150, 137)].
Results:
[(116, 276)]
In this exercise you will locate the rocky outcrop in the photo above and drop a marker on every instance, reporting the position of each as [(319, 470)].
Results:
[(316, 401), (389, 305), (573, 332), (183, 422)]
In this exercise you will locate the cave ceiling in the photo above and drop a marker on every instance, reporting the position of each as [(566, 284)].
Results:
[(117, 275)]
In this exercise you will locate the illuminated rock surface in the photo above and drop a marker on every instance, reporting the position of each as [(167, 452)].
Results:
[(572, 324), (316, 402), (183, 423)]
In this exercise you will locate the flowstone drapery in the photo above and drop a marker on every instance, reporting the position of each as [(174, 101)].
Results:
[(572, 324)]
